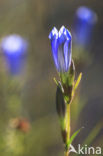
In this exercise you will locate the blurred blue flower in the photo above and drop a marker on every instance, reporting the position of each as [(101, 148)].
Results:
[(14, 47), (85, 19), (61, 48)]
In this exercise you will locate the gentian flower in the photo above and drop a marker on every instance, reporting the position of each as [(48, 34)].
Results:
[(14, 47), (61, 48), (84, 22)]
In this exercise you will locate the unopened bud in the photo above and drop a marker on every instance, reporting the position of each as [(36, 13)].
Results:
[(60, 103)]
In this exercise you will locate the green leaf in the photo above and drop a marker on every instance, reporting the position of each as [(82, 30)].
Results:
[(67, 78), (72, 138), (78, 81), (76, 84), (71, 75), (60, 103), (62, 123), (64, 78), (56, 81)]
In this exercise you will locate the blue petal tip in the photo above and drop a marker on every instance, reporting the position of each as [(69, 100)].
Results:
[(53, 34), (87, 14), (13, 44)]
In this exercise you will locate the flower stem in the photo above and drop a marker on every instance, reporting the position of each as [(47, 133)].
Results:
[(66, 153), (67, 121)]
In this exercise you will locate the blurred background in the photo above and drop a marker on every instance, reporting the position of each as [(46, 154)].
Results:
[(29, 124)]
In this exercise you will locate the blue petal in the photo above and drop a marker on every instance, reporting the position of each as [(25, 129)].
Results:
[(15, 48), (53, 34), (13, 44), (64, 50), (67, 54), (87, 14), (61, 60), (62, 35), (54, 46), (84, 23), (68, 35)]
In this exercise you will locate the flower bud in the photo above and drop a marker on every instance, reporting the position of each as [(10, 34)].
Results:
[(60, 103), (61, 48), (85, 20), (14, 48)]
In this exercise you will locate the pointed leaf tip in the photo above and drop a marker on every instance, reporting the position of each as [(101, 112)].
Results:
[(78, 81), (73, 137)]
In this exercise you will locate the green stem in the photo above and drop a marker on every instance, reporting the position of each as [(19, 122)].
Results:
[(66, 153), (67, 122)]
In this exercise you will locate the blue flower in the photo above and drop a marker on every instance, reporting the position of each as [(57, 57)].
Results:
[(61, 48), (85, 19), (14, 47)]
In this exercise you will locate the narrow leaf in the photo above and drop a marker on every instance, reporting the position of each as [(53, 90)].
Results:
[(55, 81), (78, 81), (72, 138)]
